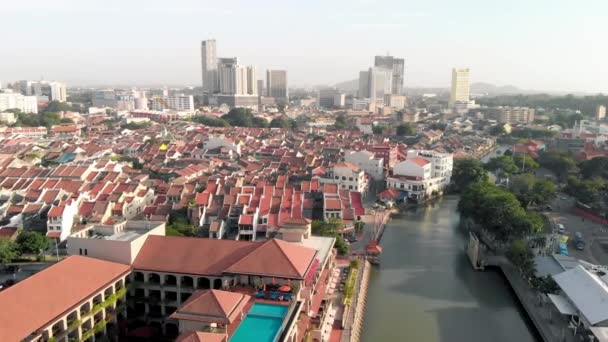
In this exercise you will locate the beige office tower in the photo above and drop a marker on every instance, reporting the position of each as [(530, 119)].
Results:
[(600, 112), (460, 86)]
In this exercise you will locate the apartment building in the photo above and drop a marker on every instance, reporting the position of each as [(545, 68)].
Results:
[(422, 174), (511, 115), (347, 176), (366, 161), (77, 299), (10, 100)]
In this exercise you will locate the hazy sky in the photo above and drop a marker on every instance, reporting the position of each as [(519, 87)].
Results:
[(558, 45)]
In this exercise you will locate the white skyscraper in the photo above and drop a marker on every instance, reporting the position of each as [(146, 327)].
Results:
[(10, 100), (209, 66), (397, 67), (460, 86)]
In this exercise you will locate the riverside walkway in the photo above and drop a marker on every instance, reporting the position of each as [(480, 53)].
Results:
[(552, 325)]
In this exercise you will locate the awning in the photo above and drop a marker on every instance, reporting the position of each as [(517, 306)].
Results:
[(600, 333), (562, 304), (311, 271)]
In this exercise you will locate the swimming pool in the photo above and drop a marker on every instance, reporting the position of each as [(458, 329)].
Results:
[(261, 324)]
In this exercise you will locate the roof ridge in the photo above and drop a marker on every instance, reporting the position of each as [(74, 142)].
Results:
[(285, 254), (217, 302)]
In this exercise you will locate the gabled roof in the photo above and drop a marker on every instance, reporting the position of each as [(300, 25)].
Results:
[(276, 258), (52, 292), (213, 306), (214, 257), (419, 161), (586, 291), (198, 336)]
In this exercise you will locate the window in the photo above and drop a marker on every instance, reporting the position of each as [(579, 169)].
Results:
[(85, 252), (80, 251), (350, 178), (343, 177)]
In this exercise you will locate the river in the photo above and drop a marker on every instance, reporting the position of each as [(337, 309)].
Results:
[(425, 289)]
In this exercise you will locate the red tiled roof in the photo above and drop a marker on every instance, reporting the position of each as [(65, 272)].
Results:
[(213, 306), (419, 161), (56, 211), (53, 292), (276, 258), (198, 336), (333, 204), (214, 257)]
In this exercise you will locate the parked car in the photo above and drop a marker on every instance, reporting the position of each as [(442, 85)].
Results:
[(578, 241), (549, 208), (560, 228)]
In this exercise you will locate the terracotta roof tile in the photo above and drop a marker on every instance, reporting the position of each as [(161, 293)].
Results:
[(53, 292)]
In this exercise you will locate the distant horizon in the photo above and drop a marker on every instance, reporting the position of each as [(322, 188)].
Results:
[(551, 46)]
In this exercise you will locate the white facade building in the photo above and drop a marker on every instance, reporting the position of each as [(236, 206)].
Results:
[(177, 102), (26, 104), (365, 160), (348, 177), (213, 142), (422, 174)]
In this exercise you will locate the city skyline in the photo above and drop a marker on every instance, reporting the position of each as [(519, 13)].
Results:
[(539, 53)]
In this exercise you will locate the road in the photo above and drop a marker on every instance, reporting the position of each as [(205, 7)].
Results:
[(594, 234)]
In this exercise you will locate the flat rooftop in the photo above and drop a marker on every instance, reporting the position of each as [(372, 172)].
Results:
[(125, 235), (322, 244)]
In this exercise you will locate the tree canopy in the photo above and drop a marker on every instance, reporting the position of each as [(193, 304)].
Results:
[(522, 257), (588, 191), (331, 228), (340, 122), (9, 251), (504, 165), (243, 117), (405, 129), (41, 119), (561, 164), (282, 122), (211, 121), (30, 242), (532, 191), (497, 210), (467, 171), (596, 167), (525, 162)]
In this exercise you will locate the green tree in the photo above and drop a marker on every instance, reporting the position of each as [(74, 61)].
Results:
[(532, 191), (30, 242), (211, 121), (331, 228), (405, 129), (502, 165), (259, 122), (467, 171), (495, 209), (596, 167), (341, 245), (377, 129), (239, 117), (525, 162), (559, 163), (280, 122), (497, 130), (56, 106), (587, 191), (9, 251), (340, 122), (522, 257)]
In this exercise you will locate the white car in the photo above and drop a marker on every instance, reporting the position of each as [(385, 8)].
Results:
[(560, 228)]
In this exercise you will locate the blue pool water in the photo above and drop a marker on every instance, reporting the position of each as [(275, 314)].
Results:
[(261, 324)]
